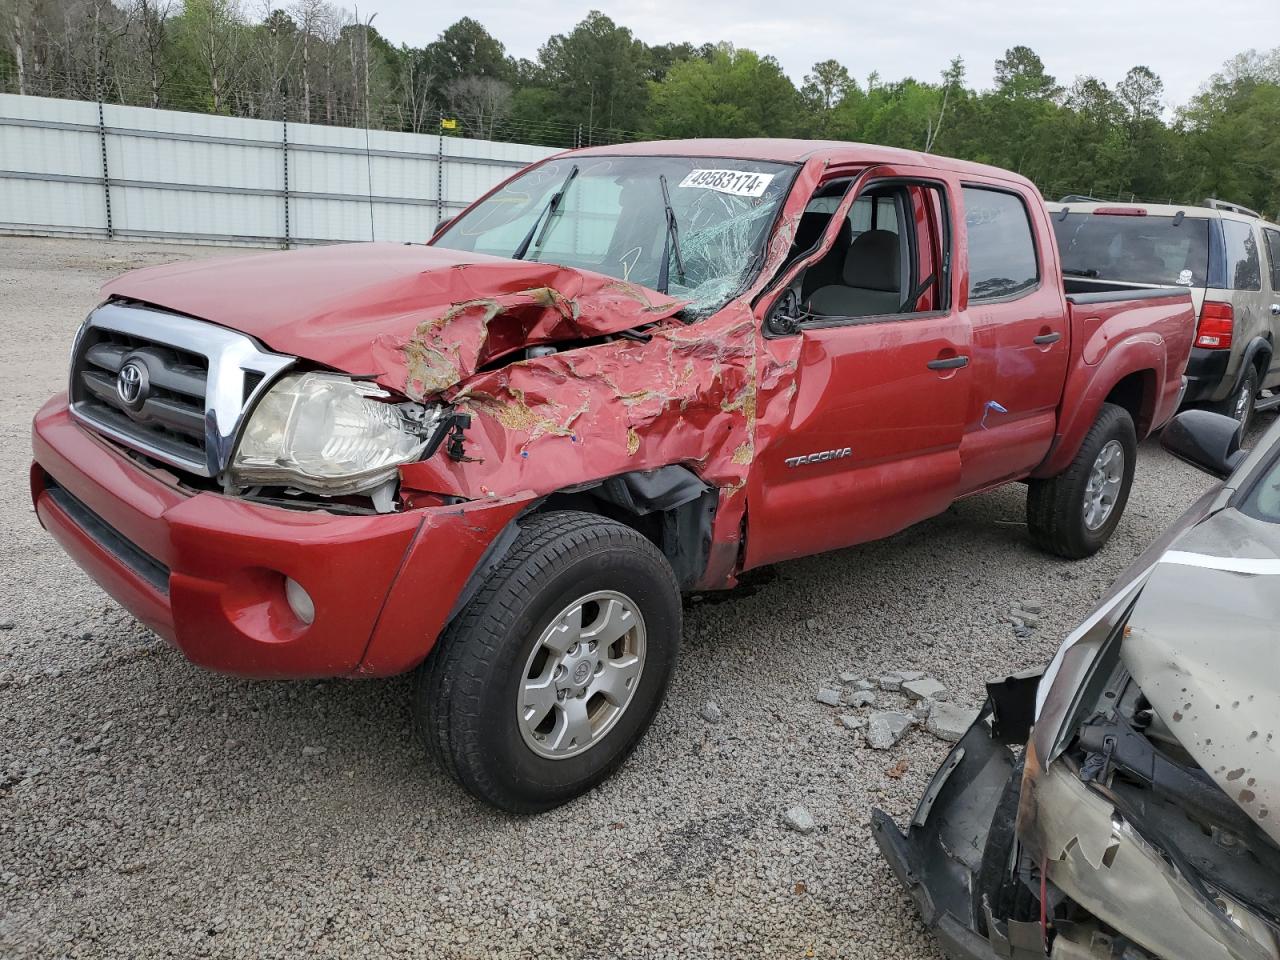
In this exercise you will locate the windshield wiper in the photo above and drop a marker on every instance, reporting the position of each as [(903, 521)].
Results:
[(549, 212), (672, 242)]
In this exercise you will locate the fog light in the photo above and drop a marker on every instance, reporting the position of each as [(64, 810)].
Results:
[(299, 601)]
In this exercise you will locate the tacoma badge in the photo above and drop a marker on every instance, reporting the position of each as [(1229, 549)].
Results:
[(819, 457)]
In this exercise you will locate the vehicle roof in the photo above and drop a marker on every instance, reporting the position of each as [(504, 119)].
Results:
[(1158, 210), (781, 150)]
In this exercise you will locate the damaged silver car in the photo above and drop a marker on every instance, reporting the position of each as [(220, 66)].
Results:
[(1142, 817)]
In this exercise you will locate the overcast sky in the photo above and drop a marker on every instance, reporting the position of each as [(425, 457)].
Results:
[(1180, 40)]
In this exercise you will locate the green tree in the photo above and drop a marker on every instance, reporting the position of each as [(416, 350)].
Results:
[(598, 73), (1020, 74), (736, 93)]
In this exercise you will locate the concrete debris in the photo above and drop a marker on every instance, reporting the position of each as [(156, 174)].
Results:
[(828, 696), (848, 678), (799, 819), (926, 688), (949, 722), (886, 728), (852, 722), (921, 709), (859, 698), (1031, 606), (893, 680), (710, 712)]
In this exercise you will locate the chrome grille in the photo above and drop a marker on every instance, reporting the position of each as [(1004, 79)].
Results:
[(186, 388)]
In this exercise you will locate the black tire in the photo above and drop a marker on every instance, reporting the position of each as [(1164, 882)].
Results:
[(1240, 404), (1055, 507), (465, 698)]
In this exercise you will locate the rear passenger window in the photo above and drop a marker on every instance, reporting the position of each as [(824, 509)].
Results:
[(1272, 238), (1002, 254), (1244, 272)]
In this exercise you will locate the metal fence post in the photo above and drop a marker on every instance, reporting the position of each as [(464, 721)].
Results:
[(284, 143), (106, 175), (440, 171)]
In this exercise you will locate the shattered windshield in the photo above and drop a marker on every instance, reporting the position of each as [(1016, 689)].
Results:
[(707, 218)]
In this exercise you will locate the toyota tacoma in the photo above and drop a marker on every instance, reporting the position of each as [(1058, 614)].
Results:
[(625, 374)]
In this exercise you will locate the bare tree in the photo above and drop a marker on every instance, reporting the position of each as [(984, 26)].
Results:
[(216, 29), (149, 34), (20, 19), (480, 101), (310, 16)]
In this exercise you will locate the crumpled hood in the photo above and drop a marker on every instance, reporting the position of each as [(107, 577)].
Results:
[(418, 319), (1203, 644)]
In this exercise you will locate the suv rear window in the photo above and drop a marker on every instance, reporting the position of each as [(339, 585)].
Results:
[(1272, 238), (1165, 251), (1244, 272)]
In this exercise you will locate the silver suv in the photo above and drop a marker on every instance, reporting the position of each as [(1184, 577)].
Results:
[(1226, 254)]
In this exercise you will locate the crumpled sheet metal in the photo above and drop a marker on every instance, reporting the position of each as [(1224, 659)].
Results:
[(711, 394), (1208, 683), (1103, 864), (507, 306)]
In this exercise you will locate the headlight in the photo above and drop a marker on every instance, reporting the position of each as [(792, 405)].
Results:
[(326, 434)]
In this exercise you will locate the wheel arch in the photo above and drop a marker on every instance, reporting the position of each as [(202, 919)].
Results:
[(1136, 393), (1257, 355), (670, 506)]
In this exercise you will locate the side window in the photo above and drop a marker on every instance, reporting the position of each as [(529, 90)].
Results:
[(1272, 238), (1244, 271), (887, 258), (1002, 253)]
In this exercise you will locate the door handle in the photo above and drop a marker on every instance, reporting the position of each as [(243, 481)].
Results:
[(950, 363), (1046, 338)]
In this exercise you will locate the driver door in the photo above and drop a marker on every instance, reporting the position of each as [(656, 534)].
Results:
[(873, 441)]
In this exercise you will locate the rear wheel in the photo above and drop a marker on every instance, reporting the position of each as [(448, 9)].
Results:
[(1240, 404), (1075, 513), (548, 678)]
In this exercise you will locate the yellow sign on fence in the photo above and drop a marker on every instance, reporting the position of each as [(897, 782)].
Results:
[(447, 124)]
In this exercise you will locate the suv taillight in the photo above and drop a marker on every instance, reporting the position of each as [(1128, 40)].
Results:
[(1216, 323)]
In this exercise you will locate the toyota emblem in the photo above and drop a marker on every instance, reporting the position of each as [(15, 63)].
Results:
[(131, 384)]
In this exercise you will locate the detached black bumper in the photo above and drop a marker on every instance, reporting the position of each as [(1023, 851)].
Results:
[(969, 804), (1207, 375)]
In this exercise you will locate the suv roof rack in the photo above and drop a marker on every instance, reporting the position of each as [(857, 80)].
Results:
[(1214, 204)]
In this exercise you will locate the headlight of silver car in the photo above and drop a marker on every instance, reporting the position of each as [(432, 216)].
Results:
[(328, 434)]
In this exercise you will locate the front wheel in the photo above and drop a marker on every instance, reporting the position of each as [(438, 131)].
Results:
[(549, 677), (1075, 513)]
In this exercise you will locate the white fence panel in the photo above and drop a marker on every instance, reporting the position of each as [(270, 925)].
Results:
[(194, 177)]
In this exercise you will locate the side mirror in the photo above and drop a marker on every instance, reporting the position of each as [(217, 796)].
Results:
[(784, 317), (1207, 441)]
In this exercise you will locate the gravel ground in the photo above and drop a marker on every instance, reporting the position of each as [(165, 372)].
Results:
[(150, 809)]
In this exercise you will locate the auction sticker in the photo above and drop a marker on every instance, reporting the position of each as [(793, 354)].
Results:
[(739, 183)]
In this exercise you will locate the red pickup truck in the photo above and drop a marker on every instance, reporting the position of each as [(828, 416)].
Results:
[(624, 374)]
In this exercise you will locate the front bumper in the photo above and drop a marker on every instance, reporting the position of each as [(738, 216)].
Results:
[(970, 805), (207, 572)]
